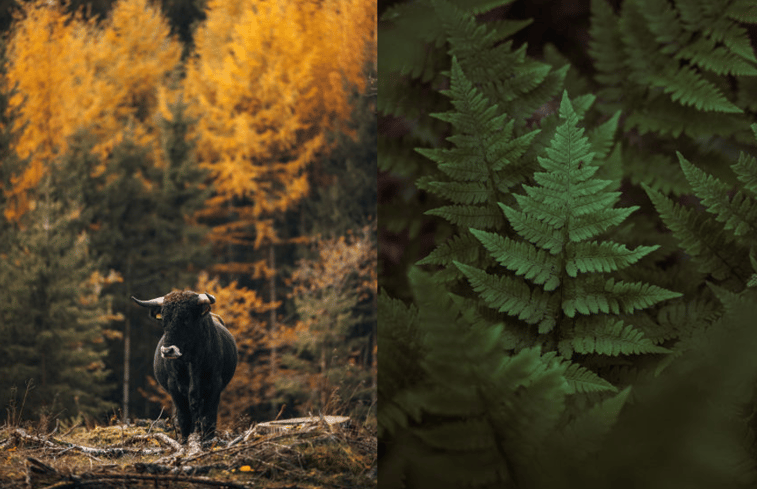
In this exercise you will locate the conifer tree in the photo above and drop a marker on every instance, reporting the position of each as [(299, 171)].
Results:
[(56, 319), (269, 84), (331, 341), (140, 212), (344, 182)]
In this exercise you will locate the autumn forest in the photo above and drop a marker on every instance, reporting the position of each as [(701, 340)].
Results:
[(231, 151)]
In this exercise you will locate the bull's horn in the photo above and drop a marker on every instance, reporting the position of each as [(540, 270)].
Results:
[(158, 301), (205, 299)]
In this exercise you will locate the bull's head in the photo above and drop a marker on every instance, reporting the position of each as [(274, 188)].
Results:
[(181, 314)]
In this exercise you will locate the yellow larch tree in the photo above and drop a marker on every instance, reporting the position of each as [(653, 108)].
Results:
[(268, 84), (326, 291), (72, 74), (269, 81), (43, 40)]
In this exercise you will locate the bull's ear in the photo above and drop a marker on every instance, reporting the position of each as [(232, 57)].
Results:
[(205, 309), (155, 312)]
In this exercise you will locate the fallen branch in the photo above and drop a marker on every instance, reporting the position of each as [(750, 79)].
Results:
[(99, 480), (157, 468), (160, 436), (112, 452), (154, 473), (21, 434), (64, 446), (243, 437)]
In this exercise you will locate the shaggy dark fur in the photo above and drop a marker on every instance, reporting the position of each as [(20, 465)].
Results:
[(194, 361)]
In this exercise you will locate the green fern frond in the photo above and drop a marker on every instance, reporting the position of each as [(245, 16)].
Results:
[(460, 192), (704, 53), (603, 256), (742, 11), (580, 379), (662, 116), (478, 215), (602, 137), (737, 213), (401, 349), (583, 436), (519, 85), (718, 27), (714, 250), (614, 297), (513, 297), (657, 171), (483, 438), (609, 337), (457, 247), (634, 296), (690, 88), (746, 168), (666, 65), (680, 319), (481, 153), (606, 47), (533, 263), (534, 230), (568, 207)]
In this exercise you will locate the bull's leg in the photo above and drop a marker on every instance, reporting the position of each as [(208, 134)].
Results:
[(204, 415), (209, 416), (198, 398), (183, 417)]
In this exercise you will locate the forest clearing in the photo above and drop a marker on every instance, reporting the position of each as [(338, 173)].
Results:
[(327, 451), (150, 147)]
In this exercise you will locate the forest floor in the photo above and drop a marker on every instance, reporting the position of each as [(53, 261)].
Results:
[(327, 452)]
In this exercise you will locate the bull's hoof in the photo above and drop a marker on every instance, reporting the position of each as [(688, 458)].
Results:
[(193, 445)]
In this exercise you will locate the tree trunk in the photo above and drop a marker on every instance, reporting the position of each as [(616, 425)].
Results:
[(322, 389), (272, 319), (373, 360), (127, 345)]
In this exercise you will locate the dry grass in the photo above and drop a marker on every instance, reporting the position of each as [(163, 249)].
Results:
[(287, 455)]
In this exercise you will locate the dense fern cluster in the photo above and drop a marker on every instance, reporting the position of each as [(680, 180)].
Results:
[(588, 301)]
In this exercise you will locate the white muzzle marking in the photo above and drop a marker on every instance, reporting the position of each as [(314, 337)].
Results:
[(170, 352)]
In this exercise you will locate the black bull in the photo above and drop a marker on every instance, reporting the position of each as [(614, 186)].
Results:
[(195, 359)]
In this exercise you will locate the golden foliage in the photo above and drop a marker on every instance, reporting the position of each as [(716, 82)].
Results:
[(269, 82), (343, 262), (236, 305), (325, 290), (71, 74)]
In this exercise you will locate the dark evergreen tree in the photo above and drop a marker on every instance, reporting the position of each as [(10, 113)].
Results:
[(344, 183), (53, 318), (52, 324), (343, 203), (142, 212)]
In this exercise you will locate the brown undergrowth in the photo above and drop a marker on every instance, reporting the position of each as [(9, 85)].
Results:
[(323, 452)]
